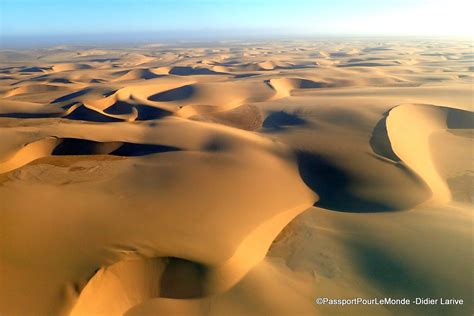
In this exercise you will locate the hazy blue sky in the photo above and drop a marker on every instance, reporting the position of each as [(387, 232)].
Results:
[(35, 18)]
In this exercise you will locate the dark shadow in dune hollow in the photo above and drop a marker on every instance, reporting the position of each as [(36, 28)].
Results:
[(245, 75), (30, 115), (145, 112), (132, 149), (380, 142), (176, 94), (277, 121), (73, 95), (34, 69), (75, 146), (190, 71), (183, 279), (83, 113), (460, 119), (102, 60), (332, 185)]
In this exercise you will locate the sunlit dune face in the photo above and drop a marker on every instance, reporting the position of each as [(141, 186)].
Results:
[(242, 178)]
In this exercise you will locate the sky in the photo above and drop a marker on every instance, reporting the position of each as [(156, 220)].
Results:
[(229, 19)]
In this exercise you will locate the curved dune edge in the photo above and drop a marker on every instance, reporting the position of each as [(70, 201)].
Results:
[(152, 180), (34, 89), (89, 113), (57, 146), (30, 152), (69, 67), (233, 243), (409, 127), (136, 74), (251, 251), (137, 280), (284, 86), (118, 107)]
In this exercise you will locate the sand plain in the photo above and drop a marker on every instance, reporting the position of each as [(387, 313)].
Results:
[(236, 178)]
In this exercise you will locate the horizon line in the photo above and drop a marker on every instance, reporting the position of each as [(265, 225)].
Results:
[(170, 37)]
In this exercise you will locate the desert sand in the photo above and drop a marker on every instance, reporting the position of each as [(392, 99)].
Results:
[(236, 178)]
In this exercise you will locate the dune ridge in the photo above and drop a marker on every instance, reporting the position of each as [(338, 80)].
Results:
[(236, 178), (418, 123)]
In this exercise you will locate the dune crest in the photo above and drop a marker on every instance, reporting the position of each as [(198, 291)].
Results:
[(236, 178), (410, 127)]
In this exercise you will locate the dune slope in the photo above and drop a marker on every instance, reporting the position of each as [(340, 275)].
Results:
[(236, 178)]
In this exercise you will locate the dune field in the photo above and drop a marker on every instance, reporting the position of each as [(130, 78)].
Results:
[(237, 178)]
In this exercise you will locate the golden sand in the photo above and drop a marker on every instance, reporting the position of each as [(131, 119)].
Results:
[(240, 179)]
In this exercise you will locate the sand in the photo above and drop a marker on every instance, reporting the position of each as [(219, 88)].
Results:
[(236, 178)]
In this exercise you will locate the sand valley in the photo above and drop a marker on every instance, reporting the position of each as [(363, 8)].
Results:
[(237, 178)]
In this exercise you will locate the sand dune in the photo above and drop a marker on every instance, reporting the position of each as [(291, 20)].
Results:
[(189, 71), (284, 86), (29, 153), (34, 89), (410, 127), (136, 74), (236, 179), (69, 67)]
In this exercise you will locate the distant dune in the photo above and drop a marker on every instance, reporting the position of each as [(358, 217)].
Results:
[(236, 180)]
